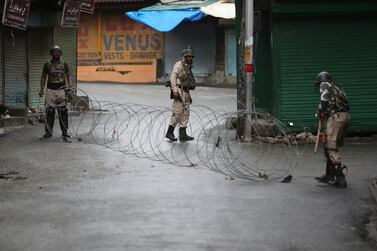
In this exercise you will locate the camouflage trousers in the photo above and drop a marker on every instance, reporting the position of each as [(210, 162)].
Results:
[(335, 131), (181, 110), (55, 98)]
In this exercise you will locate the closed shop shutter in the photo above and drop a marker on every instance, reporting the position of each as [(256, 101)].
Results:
[(231, 61), (343, 46), (39, 44), (15, 67), (1, 67), (66, 38), (200, 35)]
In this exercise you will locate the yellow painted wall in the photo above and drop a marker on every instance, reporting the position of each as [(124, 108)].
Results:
[(88, 52), (111, 39)]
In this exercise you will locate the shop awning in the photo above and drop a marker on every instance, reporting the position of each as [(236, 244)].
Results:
[(167, 15), (166, 20), (180, 5), (117, 1), (220, 9)]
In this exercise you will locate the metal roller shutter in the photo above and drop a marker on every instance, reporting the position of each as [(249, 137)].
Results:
[(201, 35), (231, 61), (66, 38), (343, 46), (15, 68), (39, 44), (1, 67)]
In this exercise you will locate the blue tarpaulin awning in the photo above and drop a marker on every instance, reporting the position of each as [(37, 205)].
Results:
[(166, 20)]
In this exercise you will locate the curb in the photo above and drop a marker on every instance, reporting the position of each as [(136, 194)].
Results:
[(371, 227)]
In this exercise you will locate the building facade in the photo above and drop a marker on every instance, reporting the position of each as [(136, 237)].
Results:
[(296, 40), (112, 47), (24, 52)]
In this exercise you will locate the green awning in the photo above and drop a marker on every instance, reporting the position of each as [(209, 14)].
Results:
[(180, 5)]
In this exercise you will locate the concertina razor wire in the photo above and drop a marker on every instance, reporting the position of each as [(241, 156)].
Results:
[(140, 130)]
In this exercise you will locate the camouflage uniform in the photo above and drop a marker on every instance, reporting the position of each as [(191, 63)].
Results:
[(334, 109), (180, 86), (57, 73), (181, 82)]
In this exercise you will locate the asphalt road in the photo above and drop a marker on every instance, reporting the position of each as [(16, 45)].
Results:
[(83, 196)]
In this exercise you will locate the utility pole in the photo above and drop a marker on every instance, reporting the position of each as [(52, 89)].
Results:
[(249, 67)]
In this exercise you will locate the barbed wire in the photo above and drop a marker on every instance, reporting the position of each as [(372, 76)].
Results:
[(140, 130)]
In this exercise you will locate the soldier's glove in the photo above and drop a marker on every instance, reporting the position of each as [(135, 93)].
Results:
[(68, 91), (68, 94), (175, 96), (41, 93), (320, 115)]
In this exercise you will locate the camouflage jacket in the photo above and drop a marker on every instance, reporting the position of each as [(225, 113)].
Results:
[(182, 77), (56, 74), (333, 99)]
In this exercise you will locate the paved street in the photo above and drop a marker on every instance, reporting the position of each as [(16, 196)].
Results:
[(82, 196)]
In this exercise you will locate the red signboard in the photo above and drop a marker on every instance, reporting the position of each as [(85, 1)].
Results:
[(16, 13), (87, 6), (249, 68), (71, 13)]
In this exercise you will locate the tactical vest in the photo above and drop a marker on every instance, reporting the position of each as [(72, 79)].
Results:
[(186, 78), (56, 72), (338, 101)]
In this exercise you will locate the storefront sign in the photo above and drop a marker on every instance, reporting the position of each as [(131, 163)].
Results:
[(118, 40), (124, 40), (71, 13), (87, 6), (16, 13)]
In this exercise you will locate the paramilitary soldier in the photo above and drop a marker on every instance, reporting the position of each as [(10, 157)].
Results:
[(182, 81), (334, 109), (58, 82)]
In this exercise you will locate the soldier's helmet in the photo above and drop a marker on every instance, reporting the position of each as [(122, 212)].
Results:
[(56, 48), (323, 76), (188, 52)]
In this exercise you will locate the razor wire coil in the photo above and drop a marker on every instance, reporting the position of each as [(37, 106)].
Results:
[(140, 129)]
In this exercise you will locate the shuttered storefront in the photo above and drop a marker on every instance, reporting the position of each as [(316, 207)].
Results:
[(200, 35), (344, 46), (230, 35), (15, 67), (1, 67), (66, 38), (39, 44)]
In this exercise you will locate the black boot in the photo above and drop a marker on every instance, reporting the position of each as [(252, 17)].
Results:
[(183, 135), (329, 176), (340, 180), (170, 133), (49, 122), (63, 121)]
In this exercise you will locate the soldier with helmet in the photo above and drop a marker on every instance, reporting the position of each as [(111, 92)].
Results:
[(58, 77), (182, 81), (333, 110)]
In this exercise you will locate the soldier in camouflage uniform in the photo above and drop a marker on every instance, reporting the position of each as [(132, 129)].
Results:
[(182, 81), (334, 111), (58, 82)]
